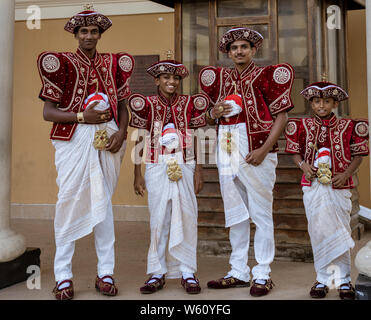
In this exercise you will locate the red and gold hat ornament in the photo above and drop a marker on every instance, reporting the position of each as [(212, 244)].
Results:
[(324, 89), (168, 66), (88, 18), (240, 33)]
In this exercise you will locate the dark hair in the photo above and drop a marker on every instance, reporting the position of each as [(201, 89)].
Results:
[(76, 30), (321, 97), (228, 47)]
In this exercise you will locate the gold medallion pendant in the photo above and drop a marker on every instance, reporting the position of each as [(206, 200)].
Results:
[(100, 139), (324, 173), (226, 143), (174, 172)]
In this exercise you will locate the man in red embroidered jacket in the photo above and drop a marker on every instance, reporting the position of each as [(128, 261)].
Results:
[(328, 150), (247, 145), (172, 175), (87, 176)]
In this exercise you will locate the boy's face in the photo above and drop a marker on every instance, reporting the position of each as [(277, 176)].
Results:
[(322, 107), (167, 83), (241, 52), (88, 37)]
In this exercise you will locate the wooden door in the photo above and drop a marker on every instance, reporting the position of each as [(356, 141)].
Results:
[(294, 31)]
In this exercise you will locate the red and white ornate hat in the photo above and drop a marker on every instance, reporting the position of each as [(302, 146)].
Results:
[(322, 156), (168, 66), (324, 90), (235, 34), (235, 101), (88, 18)]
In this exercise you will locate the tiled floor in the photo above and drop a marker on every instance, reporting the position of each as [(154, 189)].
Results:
[(292, 279)]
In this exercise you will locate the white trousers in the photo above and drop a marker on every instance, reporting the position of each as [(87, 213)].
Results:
[(239, 237), (163, 242), (247, 193), (337, 272), (104, 235)]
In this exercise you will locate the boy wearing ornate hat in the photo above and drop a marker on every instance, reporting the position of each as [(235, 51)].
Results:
[(172, 176), (84, 94), (328, 150), (246, 151)]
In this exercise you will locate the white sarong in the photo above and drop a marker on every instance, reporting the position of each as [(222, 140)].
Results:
[(328, 214), (86, 179), (247, 193), (233, 169), (182, 241)]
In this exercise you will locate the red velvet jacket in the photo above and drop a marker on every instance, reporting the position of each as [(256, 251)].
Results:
[(187, 112), (265, 92), (65, 76), (344, 137)]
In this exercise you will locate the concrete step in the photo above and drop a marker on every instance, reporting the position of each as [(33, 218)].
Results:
[(281, 190), (295, 206), (283, 252), (285, 160), (288, 175), (287, 191), (282, 221), (288, 206), (209, 233), (210, 174), (210, 189), (283, 175), (289, 246)]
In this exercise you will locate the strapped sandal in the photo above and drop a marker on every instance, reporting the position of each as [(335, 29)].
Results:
[(65, 293), (190, 287), (106, 288), (347, 294), (154, 286), (258, 290), (318, 292), (225, 283)]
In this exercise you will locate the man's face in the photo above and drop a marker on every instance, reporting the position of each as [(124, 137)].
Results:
[(322, 107), (167, 83), (241, 52), (88, 37)]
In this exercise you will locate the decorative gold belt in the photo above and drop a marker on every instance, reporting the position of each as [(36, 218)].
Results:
[(174, 172), (324, 173), (100, 139)]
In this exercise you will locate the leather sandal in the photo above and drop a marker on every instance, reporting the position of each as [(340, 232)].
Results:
[(258, 290), (65, 293), (225, 283), (347, 294), (191, 287), (154, 286), (106, 288), (318, 292)]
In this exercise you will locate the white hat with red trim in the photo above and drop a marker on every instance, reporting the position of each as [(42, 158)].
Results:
[(102, 99), (169, 138), (235, 101), (322, 156)]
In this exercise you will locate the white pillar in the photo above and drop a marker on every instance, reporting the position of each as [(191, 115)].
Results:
[(368, 46), (12, 244)]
